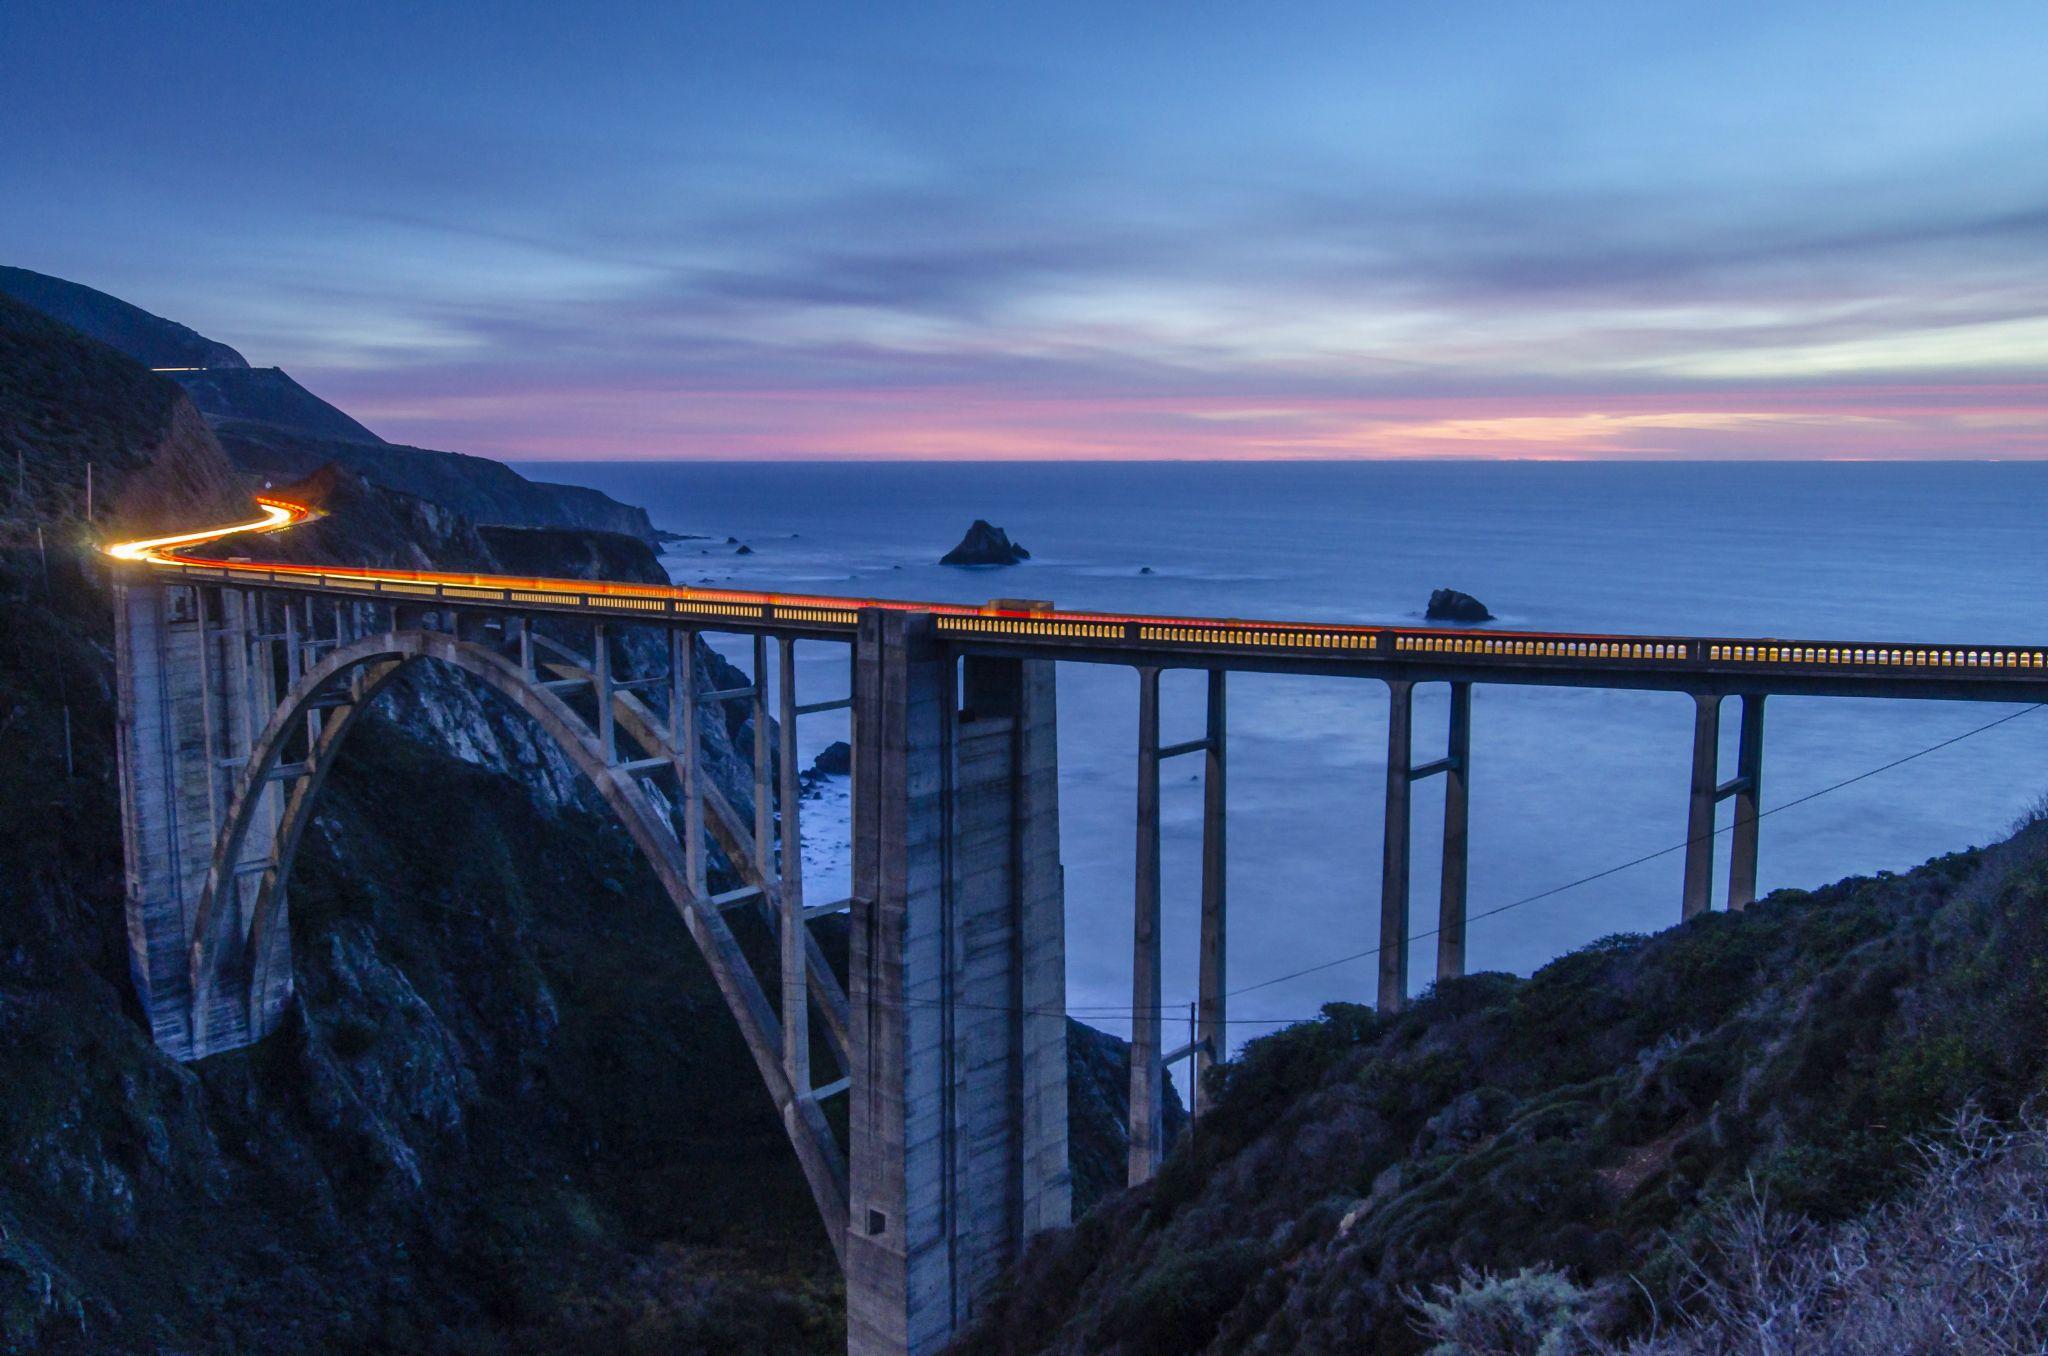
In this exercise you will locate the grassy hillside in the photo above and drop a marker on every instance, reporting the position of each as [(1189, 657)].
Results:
[(1597, 1118)]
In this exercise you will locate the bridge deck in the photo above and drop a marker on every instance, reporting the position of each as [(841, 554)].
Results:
[(1988, 672)]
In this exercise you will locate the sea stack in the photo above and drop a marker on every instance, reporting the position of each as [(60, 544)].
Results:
[(985, 544), (1453, 606)]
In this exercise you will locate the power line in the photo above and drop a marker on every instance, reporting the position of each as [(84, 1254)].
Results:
[(1108, 1010), (1651, 856)]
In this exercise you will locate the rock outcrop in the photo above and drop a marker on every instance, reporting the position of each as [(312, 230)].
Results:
[(1451, 605), (985, 544)]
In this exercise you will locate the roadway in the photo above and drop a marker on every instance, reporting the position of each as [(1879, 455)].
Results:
[(1021, 628)]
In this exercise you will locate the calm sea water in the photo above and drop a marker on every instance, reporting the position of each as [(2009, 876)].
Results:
[(1564, 783)]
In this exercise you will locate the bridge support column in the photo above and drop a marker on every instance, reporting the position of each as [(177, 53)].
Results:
[(1402, 774), (956, 982), (1747, 790), (189, 680), (1450, 926), (1705, 792), (792, 932), (1211, 1024), (1393, 991), (1148, 1075), (764, 812), (682, 739)]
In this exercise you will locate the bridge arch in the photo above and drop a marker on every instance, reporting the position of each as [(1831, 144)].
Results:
[(246, 983)]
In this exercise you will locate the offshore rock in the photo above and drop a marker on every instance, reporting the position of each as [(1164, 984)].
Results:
[(1451, 605), (985, 544)]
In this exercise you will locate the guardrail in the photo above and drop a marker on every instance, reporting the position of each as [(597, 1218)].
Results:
[(1008, 623)]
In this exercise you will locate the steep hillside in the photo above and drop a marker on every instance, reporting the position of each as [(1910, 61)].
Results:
[(266, 395), (1597, 1118), (68, 403), (277, 430), (149, 339), (480, 489)]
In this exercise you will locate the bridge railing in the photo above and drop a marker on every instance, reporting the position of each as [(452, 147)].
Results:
[(1011, 622)]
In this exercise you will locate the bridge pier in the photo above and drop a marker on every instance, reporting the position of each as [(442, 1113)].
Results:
[(1212, 1029), (1208, 1036), (1450, 926), (1402, 773), (1148, 1073), (957, 982), (1748, 790), (1394, 853), (1707, 791), (792, 933), (193, 681), (1697, 893)]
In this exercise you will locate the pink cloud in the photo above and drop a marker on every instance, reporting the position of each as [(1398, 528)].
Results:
[(572, 419)]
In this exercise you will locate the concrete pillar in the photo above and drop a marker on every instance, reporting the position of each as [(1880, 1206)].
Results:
[(601, 681), (958, 1100), (1749, 773), (1699, 820), (1393, 990), (1212, 978), (764, 814), (251, 697), (791, 929), (186, 714), (683, 741), (1147, 1105), (1450, 926)]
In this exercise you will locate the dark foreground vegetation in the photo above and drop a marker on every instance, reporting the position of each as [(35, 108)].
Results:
[(1675, 1139)]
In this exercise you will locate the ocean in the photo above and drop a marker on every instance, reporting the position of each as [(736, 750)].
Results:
[(1565, 783)]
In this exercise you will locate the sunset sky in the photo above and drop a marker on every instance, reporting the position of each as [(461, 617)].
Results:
[(1073, 230)]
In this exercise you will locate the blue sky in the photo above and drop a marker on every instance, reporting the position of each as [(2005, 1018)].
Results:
[(1073, 230)]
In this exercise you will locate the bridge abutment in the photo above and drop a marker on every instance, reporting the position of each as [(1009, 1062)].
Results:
[(957, 982), (193, 687)]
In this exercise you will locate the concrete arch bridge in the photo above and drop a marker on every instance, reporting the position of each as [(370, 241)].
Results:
[(240, 682)]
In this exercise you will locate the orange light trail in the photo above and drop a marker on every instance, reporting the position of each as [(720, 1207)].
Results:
[(277, 515)]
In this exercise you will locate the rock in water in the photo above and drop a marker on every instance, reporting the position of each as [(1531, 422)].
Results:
[(834, 760), (1451, 605), (985, 544)]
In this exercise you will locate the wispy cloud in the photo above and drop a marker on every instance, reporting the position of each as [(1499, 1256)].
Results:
[(1347, 231)]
